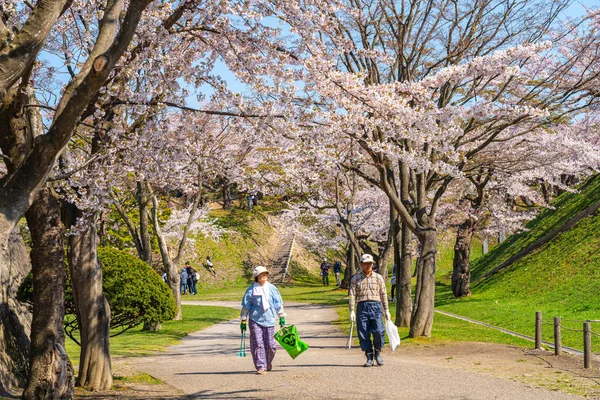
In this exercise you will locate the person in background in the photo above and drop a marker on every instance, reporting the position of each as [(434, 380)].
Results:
[(337, 270), (183, 281), (164, 277), (191, 278), (211, 267), (262, 305), (250, 204), (367, 291), (325, 272)]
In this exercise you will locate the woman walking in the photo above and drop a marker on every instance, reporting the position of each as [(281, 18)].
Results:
[(262, 305)]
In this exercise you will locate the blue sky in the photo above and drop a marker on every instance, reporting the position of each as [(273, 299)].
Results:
[(575, 10)]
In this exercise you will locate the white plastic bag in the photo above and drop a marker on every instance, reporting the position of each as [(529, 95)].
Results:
[(392, 333)]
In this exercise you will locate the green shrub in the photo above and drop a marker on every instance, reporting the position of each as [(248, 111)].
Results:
[(135, 292)]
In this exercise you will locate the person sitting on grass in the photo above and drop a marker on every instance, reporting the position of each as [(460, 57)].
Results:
[(262, 305), (210, 267)]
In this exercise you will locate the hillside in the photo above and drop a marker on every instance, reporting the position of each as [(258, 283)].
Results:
[(560, 278), (251, 240)]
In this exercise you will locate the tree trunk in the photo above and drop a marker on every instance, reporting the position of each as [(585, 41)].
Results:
[(152, 326), (422, 316), (403, 279), (93, 311), (51, 373), (350, 267), (15, 320), (461, 273), (173, 276), (226, 190), (142, 199)]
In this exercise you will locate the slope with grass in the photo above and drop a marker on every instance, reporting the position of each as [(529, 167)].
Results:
[(560, 278), (250, 240)]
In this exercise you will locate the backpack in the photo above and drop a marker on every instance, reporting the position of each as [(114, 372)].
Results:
[(193, 274)]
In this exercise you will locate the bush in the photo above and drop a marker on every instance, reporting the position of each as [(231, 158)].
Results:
[(135, 292)]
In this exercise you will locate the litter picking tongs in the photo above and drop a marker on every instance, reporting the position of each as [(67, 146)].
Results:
[(242, 352), (349, 341)]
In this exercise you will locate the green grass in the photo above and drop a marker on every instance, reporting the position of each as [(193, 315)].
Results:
[(560, 279), (139, 378), (136, 342)]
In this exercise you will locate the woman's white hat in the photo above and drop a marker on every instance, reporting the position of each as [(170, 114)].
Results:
[(259, 270)]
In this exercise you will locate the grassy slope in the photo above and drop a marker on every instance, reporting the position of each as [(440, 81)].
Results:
[(560, 279)]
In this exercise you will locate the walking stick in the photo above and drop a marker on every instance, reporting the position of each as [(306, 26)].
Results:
[(349, 341)]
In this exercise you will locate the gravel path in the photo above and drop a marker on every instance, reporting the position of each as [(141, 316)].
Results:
[(206, 365)]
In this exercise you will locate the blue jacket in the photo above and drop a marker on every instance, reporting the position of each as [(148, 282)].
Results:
[(253, 305)]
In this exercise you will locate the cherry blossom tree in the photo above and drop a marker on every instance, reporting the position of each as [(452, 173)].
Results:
[(424, 87)]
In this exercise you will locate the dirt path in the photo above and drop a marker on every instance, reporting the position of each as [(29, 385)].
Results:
[(206, 365)]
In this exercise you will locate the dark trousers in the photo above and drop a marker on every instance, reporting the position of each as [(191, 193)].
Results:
[(369, 322), (325, 280)]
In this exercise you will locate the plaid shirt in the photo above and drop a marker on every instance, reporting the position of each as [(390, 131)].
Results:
[(368, 288)]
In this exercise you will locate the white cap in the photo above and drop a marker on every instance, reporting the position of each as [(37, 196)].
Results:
[(366, 258), (259, 270)]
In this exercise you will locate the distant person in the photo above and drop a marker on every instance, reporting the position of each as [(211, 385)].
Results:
[(250, 204), (191, 278), (210, 267), (164, 277), (262, 305), (183, 282), (337, 270), (368, 293), (254, 200), (325, 272)]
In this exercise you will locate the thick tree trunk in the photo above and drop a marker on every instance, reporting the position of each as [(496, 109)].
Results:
[(461, 273), (15, 320), (422, 316), (403, 279), (93, 312), (51, 373)]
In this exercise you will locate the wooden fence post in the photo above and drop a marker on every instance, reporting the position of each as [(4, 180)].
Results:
[(538, 330), (587, 345), (557, 337)]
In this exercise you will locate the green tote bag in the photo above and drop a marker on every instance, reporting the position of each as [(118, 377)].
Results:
[(289, 339)]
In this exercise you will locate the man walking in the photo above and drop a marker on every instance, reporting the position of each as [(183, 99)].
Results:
[(337, 269), (367, 290), (325, 272)]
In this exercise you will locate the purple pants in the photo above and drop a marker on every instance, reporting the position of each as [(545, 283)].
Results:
[(262, 345)]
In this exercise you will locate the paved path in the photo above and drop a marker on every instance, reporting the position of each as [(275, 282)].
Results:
[(206, 365)]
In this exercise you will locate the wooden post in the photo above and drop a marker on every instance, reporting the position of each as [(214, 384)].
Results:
[(587, 345), (538, 330), (557, 337)]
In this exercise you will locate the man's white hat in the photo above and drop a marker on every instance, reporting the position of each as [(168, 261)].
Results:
[(259, 270), (366, 258)]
